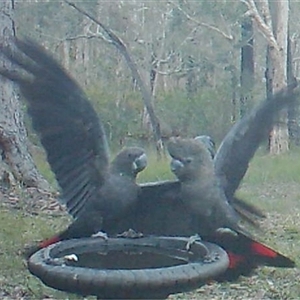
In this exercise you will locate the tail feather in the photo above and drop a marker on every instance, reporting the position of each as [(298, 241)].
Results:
[(77, 229), (49, 241), (250, 209), (245, 254), (31, 249), (270, 257)]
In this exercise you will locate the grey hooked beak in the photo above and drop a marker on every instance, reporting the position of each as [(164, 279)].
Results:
[(175, 165), (140, 163)]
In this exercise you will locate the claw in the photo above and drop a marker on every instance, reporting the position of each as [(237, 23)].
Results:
[(63, 261), (100, 234), (130, 233), (191, 241), (71, 257)]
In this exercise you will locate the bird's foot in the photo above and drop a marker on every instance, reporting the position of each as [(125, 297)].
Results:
[(71, 257), (212, 257), (130, 233), (63, 261), (100, 234), (192, 239)]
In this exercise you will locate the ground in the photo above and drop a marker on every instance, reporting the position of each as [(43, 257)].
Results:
[(272, 183)]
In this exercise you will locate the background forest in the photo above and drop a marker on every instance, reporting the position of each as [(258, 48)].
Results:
[(187, 52), (205, 64)]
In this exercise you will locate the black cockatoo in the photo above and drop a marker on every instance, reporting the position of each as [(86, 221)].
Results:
[(164, 208), (76, 147), (93, 190), (202, 192)]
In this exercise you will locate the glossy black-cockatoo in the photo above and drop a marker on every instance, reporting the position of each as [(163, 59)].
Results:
[(177, 209), (76, 147), (93, 190), (202, 192)]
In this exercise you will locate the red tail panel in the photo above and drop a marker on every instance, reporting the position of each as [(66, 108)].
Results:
[(49, 242), (234, 260), (262, 250), (245, 254)]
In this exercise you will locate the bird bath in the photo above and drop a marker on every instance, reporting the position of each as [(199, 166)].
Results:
[(128, 268)]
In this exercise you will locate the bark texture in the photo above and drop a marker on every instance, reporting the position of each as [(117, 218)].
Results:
[(16, 163), (279, 138)]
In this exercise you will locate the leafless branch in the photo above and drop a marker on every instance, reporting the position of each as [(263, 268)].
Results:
[(203, 24), (119, 44), (164, 60), (263, 26), (175, 71), (265, 11), (81, 36)]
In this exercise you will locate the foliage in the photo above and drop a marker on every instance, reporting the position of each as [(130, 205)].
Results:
[(164, 39), (120, 113), (207, 112)]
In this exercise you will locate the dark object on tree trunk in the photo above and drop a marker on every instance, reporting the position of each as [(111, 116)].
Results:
[(126, 268)]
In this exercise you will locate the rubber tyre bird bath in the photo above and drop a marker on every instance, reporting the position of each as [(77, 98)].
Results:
[(126, 268)]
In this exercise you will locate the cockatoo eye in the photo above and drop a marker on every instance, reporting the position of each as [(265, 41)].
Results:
[(188, 160)]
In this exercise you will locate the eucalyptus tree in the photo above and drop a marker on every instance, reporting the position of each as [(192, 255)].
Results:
[(272, 19), (16, 162)]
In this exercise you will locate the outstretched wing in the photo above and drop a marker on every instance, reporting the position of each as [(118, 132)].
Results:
[(68, 126), (241, 142)]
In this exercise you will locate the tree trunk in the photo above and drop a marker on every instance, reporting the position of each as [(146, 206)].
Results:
[(234, 86), (272, 18), (247, 65), (293, 110), (269, 73), (279, 138), (16, 163)]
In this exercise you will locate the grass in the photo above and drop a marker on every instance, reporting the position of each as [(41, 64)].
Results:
[(19, 228), (272, 183), (267, 168), (156, 170)]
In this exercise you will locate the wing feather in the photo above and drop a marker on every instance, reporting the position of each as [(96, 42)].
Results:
[(241, 142), (69, 128)]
